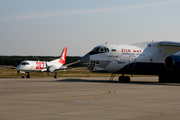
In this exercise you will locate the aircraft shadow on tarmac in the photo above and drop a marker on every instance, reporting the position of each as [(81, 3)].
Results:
[(132, 82)]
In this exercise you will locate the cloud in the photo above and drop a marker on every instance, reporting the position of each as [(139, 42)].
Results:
[(77, 12)]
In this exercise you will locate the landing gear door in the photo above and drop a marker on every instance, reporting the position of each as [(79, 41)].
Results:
[(132, 62)]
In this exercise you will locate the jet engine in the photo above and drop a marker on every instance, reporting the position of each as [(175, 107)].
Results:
[(173, 62)]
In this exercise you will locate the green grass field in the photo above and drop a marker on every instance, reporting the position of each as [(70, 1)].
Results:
[(78, 72)]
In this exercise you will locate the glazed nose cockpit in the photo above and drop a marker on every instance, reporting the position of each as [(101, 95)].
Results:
[(99, 49), (96, 50), (94, 60)]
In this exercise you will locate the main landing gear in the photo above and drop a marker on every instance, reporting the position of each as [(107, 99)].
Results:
[(28, 76), (123, 79), (55, 76)]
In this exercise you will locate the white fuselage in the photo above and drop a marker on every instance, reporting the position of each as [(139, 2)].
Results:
[(36, 66), (133, 58)]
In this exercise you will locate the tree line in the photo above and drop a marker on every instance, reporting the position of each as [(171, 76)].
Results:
[(16, 60)]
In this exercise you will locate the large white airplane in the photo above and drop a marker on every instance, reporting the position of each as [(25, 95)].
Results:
[(28, 66), (148, 58)]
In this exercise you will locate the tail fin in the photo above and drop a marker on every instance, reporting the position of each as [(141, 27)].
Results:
[(62, 59)]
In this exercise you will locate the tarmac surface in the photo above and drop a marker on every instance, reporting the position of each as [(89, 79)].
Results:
[(88, 98)]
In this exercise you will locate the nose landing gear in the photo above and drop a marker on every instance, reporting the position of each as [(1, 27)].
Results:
[(22, 75), (27, 76)]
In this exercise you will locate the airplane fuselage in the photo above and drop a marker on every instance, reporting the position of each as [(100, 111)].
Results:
[(36, 66), (29, 66), (144, 58)]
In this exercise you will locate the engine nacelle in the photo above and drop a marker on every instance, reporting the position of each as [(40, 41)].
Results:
[(173, 62)]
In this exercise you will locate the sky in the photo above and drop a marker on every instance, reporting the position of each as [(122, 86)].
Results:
[(45, 27)]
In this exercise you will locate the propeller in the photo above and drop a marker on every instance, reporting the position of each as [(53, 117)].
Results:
[(47, 68)]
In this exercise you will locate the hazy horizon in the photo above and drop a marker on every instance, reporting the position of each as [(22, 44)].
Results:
[(45, 27)]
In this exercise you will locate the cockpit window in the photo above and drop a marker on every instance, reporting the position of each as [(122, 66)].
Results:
[(100, 49), (94, 49), (97, 49), (25, 63), (107, 50)]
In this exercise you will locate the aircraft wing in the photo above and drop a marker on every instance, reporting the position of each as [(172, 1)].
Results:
[(71, 63), (168, 43), (8, 66), (66, 66), (168, 47)]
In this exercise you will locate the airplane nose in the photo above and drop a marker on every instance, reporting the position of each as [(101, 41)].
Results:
[(85, 59), (18, 68)]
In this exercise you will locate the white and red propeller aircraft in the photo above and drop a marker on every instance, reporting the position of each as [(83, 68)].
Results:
[(148, 58), (28, 66)]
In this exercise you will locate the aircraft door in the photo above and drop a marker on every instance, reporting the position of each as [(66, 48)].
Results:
[(33, 66), (132, 62)]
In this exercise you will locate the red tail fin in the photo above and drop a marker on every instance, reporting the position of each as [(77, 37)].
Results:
[(62, 59)]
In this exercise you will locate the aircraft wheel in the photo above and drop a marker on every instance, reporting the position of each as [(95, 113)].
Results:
[(55, 76), (124, 79), (28, 76), (121, 78), (127, 79)]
